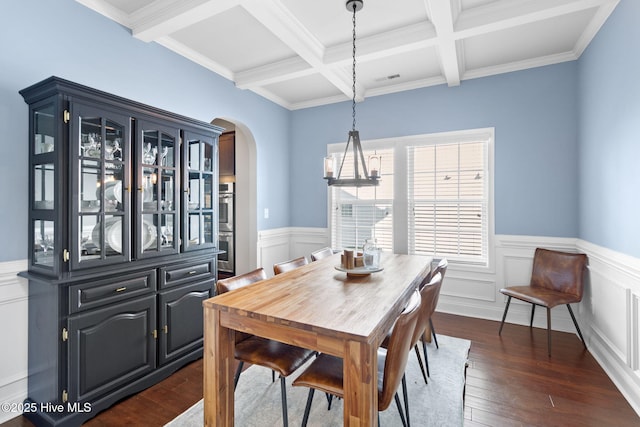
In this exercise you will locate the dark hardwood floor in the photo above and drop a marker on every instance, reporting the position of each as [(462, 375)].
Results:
[(510, 382)]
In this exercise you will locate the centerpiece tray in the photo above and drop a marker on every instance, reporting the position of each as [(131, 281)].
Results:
[(359, 271)]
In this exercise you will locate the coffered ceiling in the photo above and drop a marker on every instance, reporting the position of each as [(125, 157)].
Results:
[(298, 53)]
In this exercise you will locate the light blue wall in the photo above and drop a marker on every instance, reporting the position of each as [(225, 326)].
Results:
[(534, 113), (546, 182), (40, 38), (610, 133)]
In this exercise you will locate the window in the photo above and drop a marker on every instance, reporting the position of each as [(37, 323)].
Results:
[(434, 197), (358, 214), (447, 214)]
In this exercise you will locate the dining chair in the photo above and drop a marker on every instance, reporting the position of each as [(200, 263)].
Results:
[(430, 331), (325, 373), (279, 357), (428, 296), (556, 278), (284, 266), (321, 253)]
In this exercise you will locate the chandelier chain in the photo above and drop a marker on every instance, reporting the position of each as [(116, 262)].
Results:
[(353, 101)]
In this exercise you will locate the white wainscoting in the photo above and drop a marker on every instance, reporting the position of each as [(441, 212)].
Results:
[(13, 318), (611, 310), (609, 315), (283, 244)]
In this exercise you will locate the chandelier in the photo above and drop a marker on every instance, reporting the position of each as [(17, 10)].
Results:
[(361, 175)]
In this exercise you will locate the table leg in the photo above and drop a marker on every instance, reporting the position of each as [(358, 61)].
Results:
[(360, 385), (218, 371)]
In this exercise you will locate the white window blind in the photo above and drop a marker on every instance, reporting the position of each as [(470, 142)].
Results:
[(448, 200), (358, 214)]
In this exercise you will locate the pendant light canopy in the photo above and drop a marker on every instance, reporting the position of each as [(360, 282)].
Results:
[(362, 176)]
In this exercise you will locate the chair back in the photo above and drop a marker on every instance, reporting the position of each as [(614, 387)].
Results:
[(236, 282), (321, 253), (429, 298), (398, 351), (440, 268), (281, 267), (559, 271)]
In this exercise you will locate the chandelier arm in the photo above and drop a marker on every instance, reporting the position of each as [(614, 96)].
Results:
[(344, 157), (358, 151)]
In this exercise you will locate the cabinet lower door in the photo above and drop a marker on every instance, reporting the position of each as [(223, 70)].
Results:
[(181, 319), (110, 347)]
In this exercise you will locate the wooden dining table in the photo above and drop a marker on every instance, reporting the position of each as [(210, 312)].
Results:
[(318, 307)]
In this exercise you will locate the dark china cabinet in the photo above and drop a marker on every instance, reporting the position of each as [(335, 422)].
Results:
[(123, 233)]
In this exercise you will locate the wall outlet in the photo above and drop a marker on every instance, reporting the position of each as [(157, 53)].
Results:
[(266, 213)]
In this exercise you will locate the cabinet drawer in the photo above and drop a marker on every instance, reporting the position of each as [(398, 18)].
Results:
[(97, 293), (185, 273)]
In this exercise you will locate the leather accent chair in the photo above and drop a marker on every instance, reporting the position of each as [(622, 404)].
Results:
[(556, 278), (279, 357), (321, 253), (325, 373), (284, 266), (430, 331)]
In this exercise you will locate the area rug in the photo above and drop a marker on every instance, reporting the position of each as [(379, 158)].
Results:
[(439, 403)]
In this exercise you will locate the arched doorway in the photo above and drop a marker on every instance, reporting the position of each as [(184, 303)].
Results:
[(246, 222)]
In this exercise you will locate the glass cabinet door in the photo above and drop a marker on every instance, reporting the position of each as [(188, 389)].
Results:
[(44, 231), (157, 202), (100, 220), (201, 195)]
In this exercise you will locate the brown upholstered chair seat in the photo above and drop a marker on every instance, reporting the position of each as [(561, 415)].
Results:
[(540, 296), (282, 358), (325, 373)]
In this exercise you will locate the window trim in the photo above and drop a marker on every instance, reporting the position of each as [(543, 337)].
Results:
[(400, 203)]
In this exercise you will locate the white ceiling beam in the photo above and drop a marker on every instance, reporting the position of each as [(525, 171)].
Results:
[(284, 25), (195, 56), (106, 9), (276, 72), (394, 42), (164, 17), (505, 14), (413, 84), (382, 45), (594, 26), (442, 19)]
